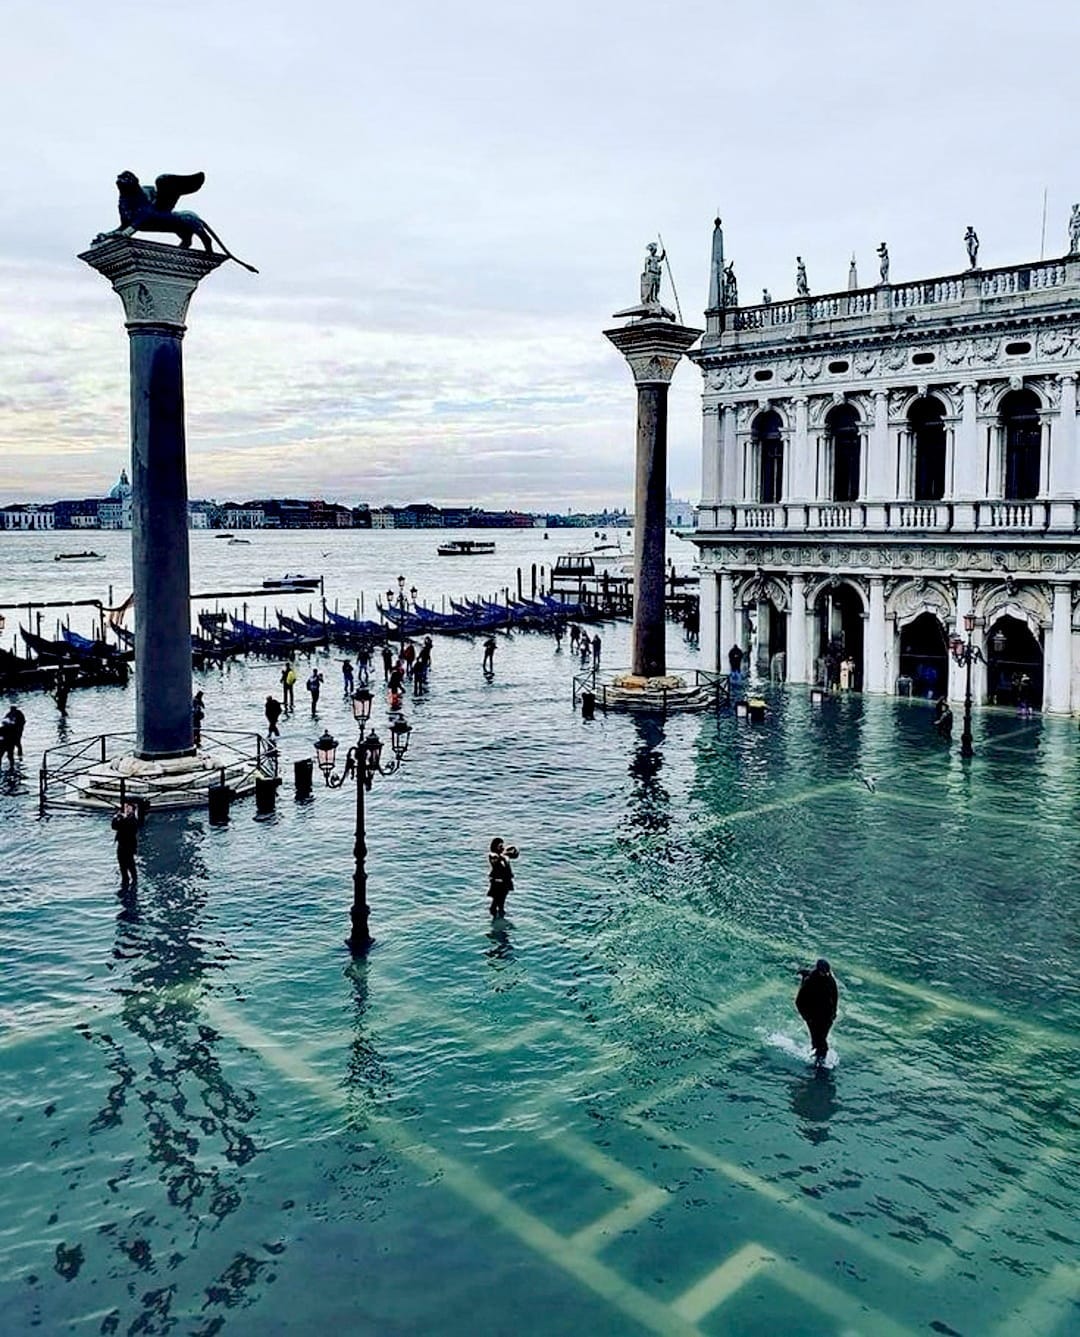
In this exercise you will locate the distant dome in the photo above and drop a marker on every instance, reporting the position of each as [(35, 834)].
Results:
[(121, 488)]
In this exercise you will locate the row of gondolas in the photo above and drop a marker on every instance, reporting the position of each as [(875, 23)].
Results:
[(79, 660)]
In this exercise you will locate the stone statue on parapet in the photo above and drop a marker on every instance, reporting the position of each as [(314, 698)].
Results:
[(1074, 230), (731, 286), (651, 275), (883, 257), (971, 241), (766, 297), (153, 209), (802, 287)]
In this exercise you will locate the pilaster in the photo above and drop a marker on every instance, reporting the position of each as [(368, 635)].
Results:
[(874, 668), (1059, 692)]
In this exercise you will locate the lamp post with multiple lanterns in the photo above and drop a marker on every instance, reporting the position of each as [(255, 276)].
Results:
[(363, 762), (402, 604), (965, 654)]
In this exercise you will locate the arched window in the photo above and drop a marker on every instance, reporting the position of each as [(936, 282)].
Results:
[(769, 451), (842, 424), (1023, 444), (925, 421)]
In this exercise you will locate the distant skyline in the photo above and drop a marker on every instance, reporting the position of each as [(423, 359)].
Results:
[(448, 202)]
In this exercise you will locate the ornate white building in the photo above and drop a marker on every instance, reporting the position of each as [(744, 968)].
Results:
[(880, 463)]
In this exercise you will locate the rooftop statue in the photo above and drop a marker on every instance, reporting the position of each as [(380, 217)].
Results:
[(153, 209), (883, 257), (731, 285), (1074, 230), (802, 287), (651, 275), (971, 241)]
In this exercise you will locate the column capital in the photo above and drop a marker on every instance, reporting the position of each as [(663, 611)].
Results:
[(1067, 377), (154, 281), (880, 393), (652, 348)]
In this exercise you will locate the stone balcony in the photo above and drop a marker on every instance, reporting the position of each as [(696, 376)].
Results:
[(977, 293), (996, 518)]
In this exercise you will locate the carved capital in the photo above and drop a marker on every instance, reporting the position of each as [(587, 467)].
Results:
[(155, 282), (652, 348)]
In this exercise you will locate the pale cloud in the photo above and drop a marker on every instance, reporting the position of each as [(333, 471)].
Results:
[(447, 201)]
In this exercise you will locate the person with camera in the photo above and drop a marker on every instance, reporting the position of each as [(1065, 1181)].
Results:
[(500, 875), (125, 825)]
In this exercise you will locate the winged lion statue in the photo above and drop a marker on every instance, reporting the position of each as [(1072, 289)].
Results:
[(153, 209)]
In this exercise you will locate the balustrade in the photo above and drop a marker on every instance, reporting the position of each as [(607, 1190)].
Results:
[(905, 296), (919, 515), (908, 516)]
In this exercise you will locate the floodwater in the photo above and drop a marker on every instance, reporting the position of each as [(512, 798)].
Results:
[(595, 1116)]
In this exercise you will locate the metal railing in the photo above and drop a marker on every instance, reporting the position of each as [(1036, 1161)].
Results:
[(73, 774), (715, 687)]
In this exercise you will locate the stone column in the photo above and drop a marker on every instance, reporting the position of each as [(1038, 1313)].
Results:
[(652, 347), (710, 466), (796, 639), (967, 485), (1059, 693), (1063, 464), (957, 673), (874, 668), (155, 282), (728, 633), (708, 614), (798, 460)]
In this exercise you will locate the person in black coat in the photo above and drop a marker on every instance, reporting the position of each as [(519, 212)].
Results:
[(125, 826), (816, 1003)]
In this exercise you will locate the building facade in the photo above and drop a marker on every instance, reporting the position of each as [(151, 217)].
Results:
[(884, 468), (27, 517)]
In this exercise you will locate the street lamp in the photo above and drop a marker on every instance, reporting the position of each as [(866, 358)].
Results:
[(402, 606), (362, 763), (966, 654)]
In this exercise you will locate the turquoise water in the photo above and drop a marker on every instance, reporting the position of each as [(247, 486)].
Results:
[(596, 1116)]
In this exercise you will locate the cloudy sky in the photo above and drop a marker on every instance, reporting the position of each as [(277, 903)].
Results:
[(447, 201)]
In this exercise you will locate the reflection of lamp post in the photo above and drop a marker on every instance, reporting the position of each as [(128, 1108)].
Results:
[(965, 653), (362, 763)]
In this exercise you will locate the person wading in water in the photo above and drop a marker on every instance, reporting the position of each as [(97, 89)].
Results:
[(500, 875), (816, 1002)]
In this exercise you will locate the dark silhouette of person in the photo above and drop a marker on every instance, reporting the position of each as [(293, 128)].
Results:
[(735, 658), (489, 655), (387, 661), (17, 720), (943, 718), (500, 874), (575, 636), (816, 1003), (596, 651), (272, 711), (7, 743), (198, 713), (125, 825)]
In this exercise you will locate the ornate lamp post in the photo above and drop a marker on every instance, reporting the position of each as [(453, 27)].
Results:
[(362, 763), (966, 654), (402, 604)]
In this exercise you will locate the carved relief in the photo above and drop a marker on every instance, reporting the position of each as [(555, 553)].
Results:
[(811, 367), (789, 371), (988, 395), (740, 375), (1030, 603), (865, 363), (896, 357), (909, 599), (717, 378), (1050, 389), (1052, 343), (986, 349), (956, 352), (760, 588), (898, 402)]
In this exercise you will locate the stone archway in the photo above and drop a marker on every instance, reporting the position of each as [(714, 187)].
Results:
[(839, 611), (924, 655)]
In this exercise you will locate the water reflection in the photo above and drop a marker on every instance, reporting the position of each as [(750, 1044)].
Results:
[(650, 807), (167, 1070), (367, 1078), (814, 1103)]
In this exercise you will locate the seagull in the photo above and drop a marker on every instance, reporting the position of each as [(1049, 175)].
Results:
[(868, 781)]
